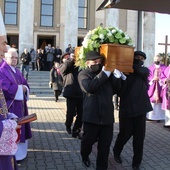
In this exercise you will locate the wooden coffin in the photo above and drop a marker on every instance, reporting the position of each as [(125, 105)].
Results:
[(76, 52), (118, 57)]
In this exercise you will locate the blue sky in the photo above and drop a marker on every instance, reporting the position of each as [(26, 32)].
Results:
[(162, 29)]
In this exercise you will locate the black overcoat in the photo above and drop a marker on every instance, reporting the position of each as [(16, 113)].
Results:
[(56, 79), (98, 93), (134, 99), (69, 74)]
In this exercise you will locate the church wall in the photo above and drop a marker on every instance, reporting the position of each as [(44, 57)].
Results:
[(124, 19)]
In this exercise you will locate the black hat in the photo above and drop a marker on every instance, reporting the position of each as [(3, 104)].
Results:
[(140, 53), (65, 55), (92, 55)]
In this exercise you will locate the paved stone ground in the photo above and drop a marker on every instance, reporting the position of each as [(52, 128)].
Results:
[(51, 148)]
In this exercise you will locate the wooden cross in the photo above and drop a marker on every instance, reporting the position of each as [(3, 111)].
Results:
[(166, 47)]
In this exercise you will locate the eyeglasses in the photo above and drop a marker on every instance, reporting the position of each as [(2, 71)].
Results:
[(13, 58)]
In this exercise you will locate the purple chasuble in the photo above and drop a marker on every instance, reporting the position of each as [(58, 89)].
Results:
[(155, 88), (166, 90), (10, 82), (6, 162)]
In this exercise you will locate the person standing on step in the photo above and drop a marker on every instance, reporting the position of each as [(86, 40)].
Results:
[(33, 57), (73, 95), (25, 60), (58, 54), (56, 81), (50, 56)]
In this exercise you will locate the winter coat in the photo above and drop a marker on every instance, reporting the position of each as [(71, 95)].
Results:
[(134, 99), (98, 91), (25, 58), (56, 79), (69, 74)]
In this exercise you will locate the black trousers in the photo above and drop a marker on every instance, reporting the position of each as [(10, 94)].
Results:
[(102, 134), (57, 93), (128, 127), (74, 108), (33, 65)]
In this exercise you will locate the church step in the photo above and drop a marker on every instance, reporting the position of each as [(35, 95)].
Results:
[(39, 82), (41, 91)]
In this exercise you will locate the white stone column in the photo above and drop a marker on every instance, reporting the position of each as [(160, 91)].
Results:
[(149, 37), (69, 23), (112, 17), (26, 25), (132, 25)]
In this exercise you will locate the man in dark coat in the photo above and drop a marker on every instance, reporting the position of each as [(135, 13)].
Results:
[(73, 95), (58, 53), (25, 60), (98, 88), (134, 104)]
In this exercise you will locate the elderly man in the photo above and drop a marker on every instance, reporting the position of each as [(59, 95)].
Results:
[(16, 92)]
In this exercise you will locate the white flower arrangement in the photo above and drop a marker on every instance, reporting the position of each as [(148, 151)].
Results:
[(101, 35)]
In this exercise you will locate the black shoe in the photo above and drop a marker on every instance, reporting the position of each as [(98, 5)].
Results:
[(77, 135), (68, 129), (118, 159), (135, 167), (166, 126), (86, 162)]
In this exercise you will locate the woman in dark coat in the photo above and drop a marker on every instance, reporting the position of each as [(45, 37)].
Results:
[(56, 81)]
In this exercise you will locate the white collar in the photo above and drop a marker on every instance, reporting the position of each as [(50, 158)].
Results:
[(13, 69), (157, 66)]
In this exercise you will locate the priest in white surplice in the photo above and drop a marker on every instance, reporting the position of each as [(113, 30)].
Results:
[(155, 88)]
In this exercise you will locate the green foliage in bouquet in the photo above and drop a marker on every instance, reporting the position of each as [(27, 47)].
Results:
[(101, 35)]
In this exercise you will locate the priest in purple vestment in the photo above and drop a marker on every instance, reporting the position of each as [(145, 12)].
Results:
[(155, 87), (166, 96), (16, 92), (7, 127), (8, 137)]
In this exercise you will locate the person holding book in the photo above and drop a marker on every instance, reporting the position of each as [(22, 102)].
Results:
[(16, 92), (8, 134)]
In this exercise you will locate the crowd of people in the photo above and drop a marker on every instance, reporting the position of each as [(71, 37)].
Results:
[(41, 59), (99, 87), (89, 97)]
